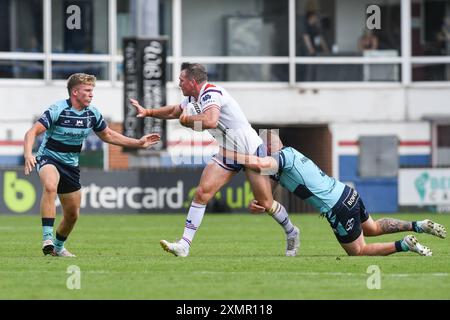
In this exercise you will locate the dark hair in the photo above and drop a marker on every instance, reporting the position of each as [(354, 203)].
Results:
[(310, 14), (195, 71)]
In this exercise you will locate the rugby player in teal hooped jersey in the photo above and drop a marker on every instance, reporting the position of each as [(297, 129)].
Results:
[(66, 124), (340, 204)]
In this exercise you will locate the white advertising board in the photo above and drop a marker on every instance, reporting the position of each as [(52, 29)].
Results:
[(424, 187)]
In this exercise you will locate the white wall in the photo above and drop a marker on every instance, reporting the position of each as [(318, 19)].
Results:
[(289, 106), (23, 103), (428, 101), (351, 112)]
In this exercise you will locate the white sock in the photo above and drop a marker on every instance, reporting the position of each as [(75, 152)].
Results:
[(281, 216), (193, 221)]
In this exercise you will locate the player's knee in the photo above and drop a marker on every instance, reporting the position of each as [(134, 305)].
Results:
[(357, 251), (202, 195), (72, 215), (50, 188)]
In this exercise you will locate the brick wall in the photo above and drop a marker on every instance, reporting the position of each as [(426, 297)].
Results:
[(117, 158)]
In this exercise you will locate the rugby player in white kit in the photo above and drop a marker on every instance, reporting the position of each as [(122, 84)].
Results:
[(222, 116)]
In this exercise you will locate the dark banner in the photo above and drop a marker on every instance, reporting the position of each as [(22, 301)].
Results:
[(145, 81), (131, 191)]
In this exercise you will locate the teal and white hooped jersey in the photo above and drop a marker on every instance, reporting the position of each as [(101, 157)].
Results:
[(304, 178), (67, 128)]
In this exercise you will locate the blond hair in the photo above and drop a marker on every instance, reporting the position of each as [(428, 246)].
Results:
[(80, 78)]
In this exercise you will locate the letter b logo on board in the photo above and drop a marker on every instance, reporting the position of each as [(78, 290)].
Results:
[(19, 194)]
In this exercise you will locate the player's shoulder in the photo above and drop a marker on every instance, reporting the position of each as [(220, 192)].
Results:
[(288, 151), (57, 107), (94, 110), (212, 89), (288, 155)]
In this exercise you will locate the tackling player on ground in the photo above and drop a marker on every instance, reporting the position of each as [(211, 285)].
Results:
[(342, 205), (221, 115)]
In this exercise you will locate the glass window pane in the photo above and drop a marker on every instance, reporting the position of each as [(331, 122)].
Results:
[(21, 25), (63, 70), (443, 145), (21, 69), (83, 30), (339, 28), (348, 72), (430, 28), (125, 22), (235, 28), (431, 72), (443, 136), (247, 72)]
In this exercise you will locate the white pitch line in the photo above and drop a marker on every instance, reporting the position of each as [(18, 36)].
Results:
[(349, 274)]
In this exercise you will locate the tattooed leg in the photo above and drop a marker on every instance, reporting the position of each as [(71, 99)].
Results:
[(389, 225)]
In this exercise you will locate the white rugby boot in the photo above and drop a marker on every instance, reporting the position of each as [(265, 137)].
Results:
[(414, 246), (433, 228), (47, 246), (176, 248), (293, 243), (63, 253)]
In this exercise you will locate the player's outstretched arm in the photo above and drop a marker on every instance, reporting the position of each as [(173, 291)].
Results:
[(166, 112), (206, 120), (263, 165), (30, 161), (266, 165), (113, 137)]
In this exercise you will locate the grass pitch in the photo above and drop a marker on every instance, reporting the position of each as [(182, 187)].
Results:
[(232, 257)]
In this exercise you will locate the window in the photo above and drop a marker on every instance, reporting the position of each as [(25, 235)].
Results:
[(91, 37), (247, 72), (430, 28), (327, 28), (338, 28), (21, 31), (21, 69), (238, 40), (63, 69), (431, 71), (443, 145), (126, 25), (235, 28), (21, 25)]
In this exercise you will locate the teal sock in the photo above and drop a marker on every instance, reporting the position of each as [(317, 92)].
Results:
[(47, 233), (401, 246), (47, 228), (59, 242), (404, 245), (416, 226)]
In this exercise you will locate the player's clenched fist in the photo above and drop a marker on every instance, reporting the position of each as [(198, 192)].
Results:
[(255, 208)]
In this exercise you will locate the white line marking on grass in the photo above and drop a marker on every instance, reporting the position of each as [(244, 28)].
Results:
[(349, 274)]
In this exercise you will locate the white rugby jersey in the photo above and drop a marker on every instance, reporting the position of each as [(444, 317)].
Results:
[(233, 132)]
